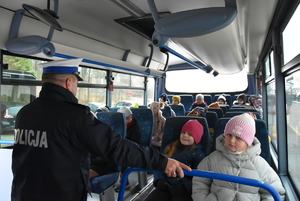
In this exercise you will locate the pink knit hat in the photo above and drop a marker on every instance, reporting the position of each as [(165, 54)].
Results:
[(242, 126), (194, 128)]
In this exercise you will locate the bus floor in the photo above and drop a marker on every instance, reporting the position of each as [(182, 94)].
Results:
[(133, 193)]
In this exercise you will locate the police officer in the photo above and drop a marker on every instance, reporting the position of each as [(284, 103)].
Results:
[(54, 136)]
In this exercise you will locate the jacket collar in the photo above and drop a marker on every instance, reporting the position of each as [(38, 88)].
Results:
[(56, 92)]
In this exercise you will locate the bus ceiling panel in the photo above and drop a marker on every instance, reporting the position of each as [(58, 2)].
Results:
[(104, 62), (254, 21), (221, 49)]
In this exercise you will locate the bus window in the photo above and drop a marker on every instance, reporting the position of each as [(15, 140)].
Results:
[(271, 99), (193, 81), (22, 68), (128, 90), (292, 88)]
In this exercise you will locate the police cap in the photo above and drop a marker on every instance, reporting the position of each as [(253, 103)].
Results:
[(66, 66)]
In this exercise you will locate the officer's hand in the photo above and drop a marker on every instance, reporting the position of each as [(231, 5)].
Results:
[(174, 168)]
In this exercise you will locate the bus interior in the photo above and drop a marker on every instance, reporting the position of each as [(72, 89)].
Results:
[(135, 50)]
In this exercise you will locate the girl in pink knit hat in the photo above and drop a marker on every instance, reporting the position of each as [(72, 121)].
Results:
[(184, 150), (237, 153)]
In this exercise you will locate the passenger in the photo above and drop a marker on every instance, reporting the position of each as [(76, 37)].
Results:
[(185, 150), (102, 109), (240, 100), (237, 153), (256, 102), (133, 133), (222, 99), (163, 99), (199, 102), (159, 124), (54, 137), (176, 100)]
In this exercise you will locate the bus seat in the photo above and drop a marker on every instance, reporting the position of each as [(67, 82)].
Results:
[(231, 114), (187, 101), (212, 119), (261, 134), (170, 98), (207, 99), (178, 109), (219, 129), (242, 109), (104, 184), (166, 112), (143, 106), (145, 119), (224, 108), (173, 127), (114, 109), (219, 111)]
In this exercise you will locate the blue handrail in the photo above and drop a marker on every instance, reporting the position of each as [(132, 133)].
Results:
[(212, 175), (6, 141)]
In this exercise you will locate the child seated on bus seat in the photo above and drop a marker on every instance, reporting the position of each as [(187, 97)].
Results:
[(176, 100), (237, 153), (184, 150), (199, 102), (222, 99), (159, 124)]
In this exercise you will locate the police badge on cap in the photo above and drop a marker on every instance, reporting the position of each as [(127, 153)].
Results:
[(68, 66)]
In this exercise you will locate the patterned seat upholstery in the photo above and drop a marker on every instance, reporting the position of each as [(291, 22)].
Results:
[(225, 108), (105, 182), (173, 127), (178, 109), (212, 119), (219, 111), (242, 109), (187, 101), (145, 119), (261, 134), (207, 99), (232, 114), (166, 112)]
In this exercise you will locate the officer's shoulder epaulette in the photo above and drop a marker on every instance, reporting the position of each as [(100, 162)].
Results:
[(79, 105)]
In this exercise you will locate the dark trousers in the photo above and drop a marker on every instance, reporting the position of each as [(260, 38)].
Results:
[(157, 195)]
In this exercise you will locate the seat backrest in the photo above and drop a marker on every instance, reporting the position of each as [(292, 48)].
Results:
[(143, 106), (261, 134), (115, 120), (187, 101), (207, 99), (224, 108), (166, 112), (114, 109), (242, 109), (232, 114), (178, 109), (173, 128), (145, 120), (170, 98), (219, 111), (212, 119)]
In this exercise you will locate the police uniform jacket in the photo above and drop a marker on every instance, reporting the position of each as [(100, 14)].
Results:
[(53, 138)]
